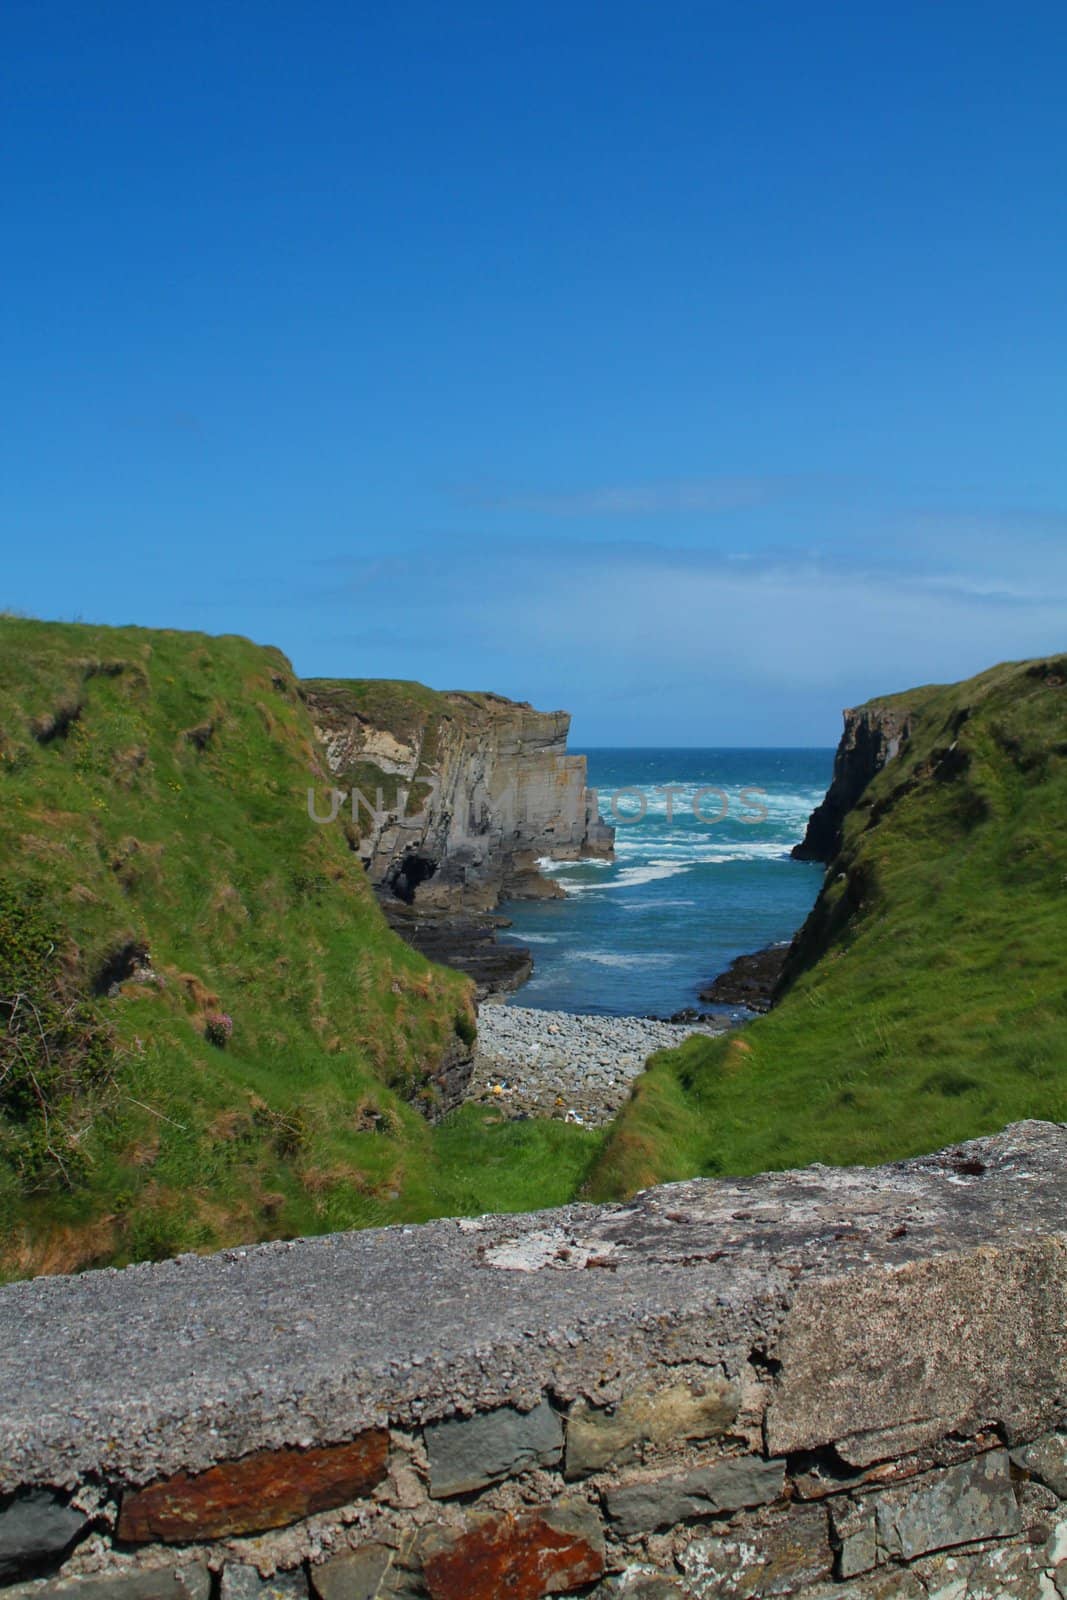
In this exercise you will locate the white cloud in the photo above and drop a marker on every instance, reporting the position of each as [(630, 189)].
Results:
[(765, 649), (803, 626)]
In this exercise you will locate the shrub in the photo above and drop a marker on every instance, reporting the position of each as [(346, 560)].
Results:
[(218, 1028)]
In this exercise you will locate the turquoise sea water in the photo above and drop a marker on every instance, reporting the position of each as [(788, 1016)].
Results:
[(685, 894)]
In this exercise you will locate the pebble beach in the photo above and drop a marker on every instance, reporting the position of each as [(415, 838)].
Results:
[(558, 1064)]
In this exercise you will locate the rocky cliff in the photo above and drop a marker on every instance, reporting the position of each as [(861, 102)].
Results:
[(451, 800), (891, 748), (874, 734), (475, 789)]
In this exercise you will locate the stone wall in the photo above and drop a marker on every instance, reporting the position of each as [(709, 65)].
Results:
[(846, 1383)]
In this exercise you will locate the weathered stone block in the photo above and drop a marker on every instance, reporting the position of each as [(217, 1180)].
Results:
[(1036, 1503), (892, 1583), (37, 1527), (598, 1437), (819, 1478), (754, 1562), (646, 1586), (240, 1582), (469, 1452), (1010, 1570), (356, 1575), (865, 1355), (163, 1583), (969, 1502), (1046, 1460), (854, 1531), (642, 1504), (1002, 1570), (265, 1490), (524, 1557)]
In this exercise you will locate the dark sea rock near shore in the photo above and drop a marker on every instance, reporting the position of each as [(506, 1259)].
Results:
[(750, 980), (688, 1014), (465, 941)]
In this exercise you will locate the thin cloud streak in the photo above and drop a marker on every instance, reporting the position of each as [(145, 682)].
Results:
[(681, 496), (761, 650)]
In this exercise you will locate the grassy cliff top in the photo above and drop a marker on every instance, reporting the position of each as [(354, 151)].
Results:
[(939, 703), (401, 705), (209, 1033), (928, 1000)]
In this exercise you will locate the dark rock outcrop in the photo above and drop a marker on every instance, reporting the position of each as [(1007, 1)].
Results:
[(750, 980), (873, 735), (464, 940)]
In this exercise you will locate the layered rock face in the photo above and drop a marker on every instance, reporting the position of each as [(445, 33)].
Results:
[(873, 735), (451, 799), (475, 791)]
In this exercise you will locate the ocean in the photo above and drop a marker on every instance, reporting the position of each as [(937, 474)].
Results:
[(687, 892)]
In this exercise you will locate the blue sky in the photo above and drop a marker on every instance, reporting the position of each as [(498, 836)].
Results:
[(700, 368)]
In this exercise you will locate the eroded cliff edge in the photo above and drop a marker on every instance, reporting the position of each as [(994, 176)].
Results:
[(950, 751), (451, 800), (873, 735)]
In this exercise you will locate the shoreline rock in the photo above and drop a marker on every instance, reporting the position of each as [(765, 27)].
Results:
[(750, 980), (465, 941), (571, 1067)]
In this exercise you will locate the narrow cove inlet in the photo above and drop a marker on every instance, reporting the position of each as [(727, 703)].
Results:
[(701, 874)]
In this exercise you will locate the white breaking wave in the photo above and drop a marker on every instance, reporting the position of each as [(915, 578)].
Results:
[(628, 878), (662, 905), (631, 877), (549, 864), (660, 868), (718, 851), (722, 859), (742, 801), (605, 958), (692, 841)]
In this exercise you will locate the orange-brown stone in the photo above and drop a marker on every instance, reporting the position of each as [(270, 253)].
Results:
[(267, 1490), (522, 1557)]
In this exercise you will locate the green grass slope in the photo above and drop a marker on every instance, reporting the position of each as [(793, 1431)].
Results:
[(927, 1000), (208, 1034)]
